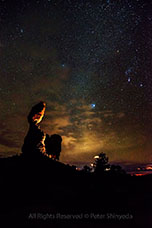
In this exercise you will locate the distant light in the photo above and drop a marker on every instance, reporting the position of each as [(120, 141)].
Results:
[(107, 169), (149, 167), (129, 79), (97, 156), (63, 65), (21, 30), (141, 85), (93, 105), (91, 164)]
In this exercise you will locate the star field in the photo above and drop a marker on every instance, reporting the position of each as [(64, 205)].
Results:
[(91, 62)]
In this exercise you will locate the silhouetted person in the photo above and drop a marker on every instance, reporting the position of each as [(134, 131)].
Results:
[(34, 141), (53, 146)]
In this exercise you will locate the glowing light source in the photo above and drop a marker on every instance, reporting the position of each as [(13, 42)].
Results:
[(93, 105), (129, 79), (149, 167), (96, 156)]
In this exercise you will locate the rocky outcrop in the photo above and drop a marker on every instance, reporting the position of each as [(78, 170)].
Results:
[(34, 142), (53, 146)]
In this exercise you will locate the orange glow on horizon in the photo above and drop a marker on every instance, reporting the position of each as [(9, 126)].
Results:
[(149, 167)]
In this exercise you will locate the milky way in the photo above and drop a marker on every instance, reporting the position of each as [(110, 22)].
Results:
[(90, 61)]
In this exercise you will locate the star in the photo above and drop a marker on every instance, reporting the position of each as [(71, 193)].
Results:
[(93, 105)]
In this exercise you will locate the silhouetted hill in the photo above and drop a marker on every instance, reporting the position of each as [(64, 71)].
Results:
[(47, 186)]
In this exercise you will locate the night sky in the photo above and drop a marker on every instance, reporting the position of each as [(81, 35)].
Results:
[(90, 61)]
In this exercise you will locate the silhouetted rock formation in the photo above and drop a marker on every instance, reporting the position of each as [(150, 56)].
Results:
[(34, 141), (53, 146)]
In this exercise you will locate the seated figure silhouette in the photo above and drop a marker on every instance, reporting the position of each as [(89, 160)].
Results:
[(53, 146), (34, 142)]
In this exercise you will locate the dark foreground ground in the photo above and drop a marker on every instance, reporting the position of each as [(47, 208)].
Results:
[(45, 193)]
